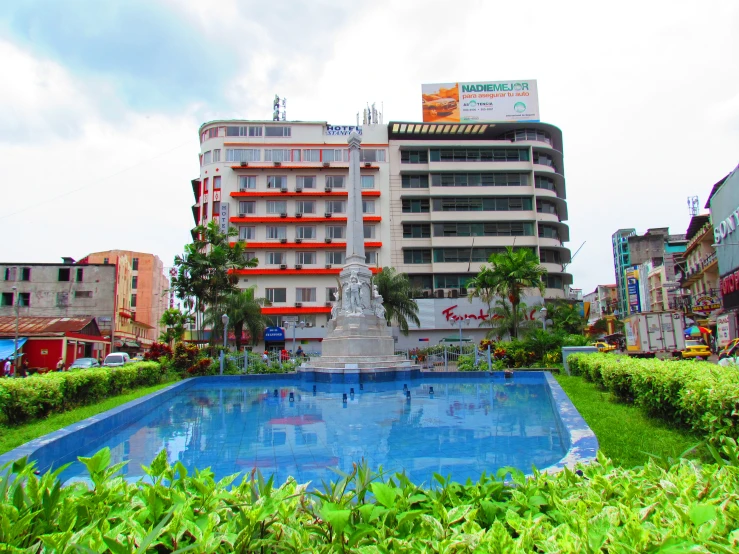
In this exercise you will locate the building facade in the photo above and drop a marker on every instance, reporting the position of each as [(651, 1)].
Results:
[(622, 263), (602, 301), (699, 277), (438, 199)]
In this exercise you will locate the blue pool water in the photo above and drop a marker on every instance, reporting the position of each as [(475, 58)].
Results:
[(466, 427)]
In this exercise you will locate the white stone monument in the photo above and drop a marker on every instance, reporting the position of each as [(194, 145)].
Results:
[(358, 340)]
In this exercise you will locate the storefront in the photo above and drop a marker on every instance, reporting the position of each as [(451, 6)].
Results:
[(274, 338)]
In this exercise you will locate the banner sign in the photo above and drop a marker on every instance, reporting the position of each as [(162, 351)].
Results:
[(632, 286), (480, 101)]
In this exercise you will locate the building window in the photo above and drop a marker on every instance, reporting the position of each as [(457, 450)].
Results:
[(247, 207), (332, 155), (305, 294), (242, 155), (479, 155), (368, 181), (506, 229), (415, 181), (276, 232), (306, 182), (83, 294), (545, 231), (62, 299), (133, 300), (276, 181), (135, 282), (370, 258), (80, 274), (371, 155), (205, 186), (368, 206), (277, 131), (416, 230), (369, 231), (217, 155), (276, 207), (275, 258), (466, 255), (216, 208), (7, 299), (414, 156), (554, 282), (478, 204), (305, 258), (205, 212), (335, 232), (247, 233), (447, 281), (335, 181), (479, 180), (545, 183), (276, 295), (217, 183), (26, 273), (550, 256), (544, 159), (331, 294), (24, 299), (417, 256), (249, 256), (335, 206), (337, 257), (305, 206), (206, 158), (244, 131), (311, 155), (544, 207), (277, 155), (305, 232), (415, 205), (105, 261), (528, 134), (64, 274), (247, 182), (10, 273)]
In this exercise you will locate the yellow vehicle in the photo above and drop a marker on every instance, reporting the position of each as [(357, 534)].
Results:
[(603, 346), (694, 349)]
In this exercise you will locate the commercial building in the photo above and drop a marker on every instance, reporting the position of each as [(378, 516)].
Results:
[(143, 296), (622, 262), (438, 199), (699, 278), (602, 302)]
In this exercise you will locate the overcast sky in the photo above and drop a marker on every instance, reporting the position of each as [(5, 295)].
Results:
[(101, 102)]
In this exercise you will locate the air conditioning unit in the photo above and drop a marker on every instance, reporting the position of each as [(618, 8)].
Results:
[(283, 266), (367, 164), (244, 164), (328, 214), (242, 215), (283, 189), (298, 241), (327, 189), (328, 266), (327, 240), (298, 266), (455, 293), (283, 241), (309, 325), (329, 304), (278, 164), (298, 304), (326, 164), (463, 291), (439, 293), (426, 293), (242, 190), (283, 214), (299, 214), (298, 189)]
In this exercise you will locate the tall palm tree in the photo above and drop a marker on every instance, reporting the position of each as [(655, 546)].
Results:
[(508, 275), (244, 310), (397, 297)]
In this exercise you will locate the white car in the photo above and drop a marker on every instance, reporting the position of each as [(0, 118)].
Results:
[(116, 359)]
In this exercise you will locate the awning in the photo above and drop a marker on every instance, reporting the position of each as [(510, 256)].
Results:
[(132, 344), (7, 347)]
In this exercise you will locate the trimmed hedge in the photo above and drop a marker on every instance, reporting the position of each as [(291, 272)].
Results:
[(38, 395), (699, 395), (686, 507)]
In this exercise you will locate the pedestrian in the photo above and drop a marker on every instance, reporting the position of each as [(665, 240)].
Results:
[(23, 371), (6, 368), (265, 357), (60, 365), (100, 360), (299, 352), (284, 355)]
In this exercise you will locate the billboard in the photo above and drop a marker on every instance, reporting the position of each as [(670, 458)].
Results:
[(480, 101), (632, 286)]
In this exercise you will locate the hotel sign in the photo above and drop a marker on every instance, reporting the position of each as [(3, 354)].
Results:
[(343, 129), (223, 218)]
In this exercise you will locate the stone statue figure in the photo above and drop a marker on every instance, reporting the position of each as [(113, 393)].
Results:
[(377, 306), (353, 291), (336, 306)]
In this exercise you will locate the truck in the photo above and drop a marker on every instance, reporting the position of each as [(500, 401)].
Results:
[(650, 334)]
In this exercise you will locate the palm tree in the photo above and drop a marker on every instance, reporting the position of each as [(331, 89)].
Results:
[(501, 321), (244, 310), (508, 275), (566, 316), (174, 322), (397, 295)]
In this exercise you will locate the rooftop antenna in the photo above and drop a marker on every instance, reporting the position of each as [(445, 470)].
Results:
[(276, 109), (693, 205), (284, 109)]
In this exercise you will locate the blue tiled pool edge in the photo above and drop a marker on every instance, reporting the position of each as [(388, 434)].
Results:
[(580, 442)]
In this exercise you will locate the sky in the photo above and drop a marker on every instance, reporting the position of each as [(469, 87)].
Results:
[(101, 102)]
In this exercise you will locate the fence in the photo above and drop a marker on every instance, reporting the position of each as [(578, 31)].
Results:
[(446, 357)]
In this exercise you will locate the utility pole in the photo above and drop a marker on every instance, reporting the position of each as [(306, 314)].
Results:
[(16, 297)]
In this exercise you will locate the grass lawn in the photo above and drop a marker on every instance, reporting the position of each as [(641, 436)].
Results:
[(12, 436), (625, 433)]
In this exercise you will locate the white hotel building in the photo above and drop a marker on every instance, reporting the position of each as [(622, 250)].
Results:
[(438, 199)]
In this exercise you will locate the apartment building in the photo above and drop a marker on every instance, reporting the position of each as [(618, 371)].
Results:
[(603, 301), (282, 185)]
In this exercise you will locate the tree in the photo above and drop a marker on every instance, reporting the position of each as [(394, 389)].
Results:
[(205, 272), (566, 317), (244, 310), (501, 321), (508, 275), (174, 322), (397, 296)]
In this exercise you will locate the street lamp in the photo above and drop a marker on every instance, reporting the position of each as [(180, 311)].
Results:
[(459, 320), (15, 352), (543, 313), (296, 324), (224, 319)]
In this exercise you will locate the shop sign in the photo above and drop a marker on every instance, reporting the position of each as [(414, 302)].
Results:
[(726, 227), (730, 283), (725, 329), (450, 316), (706, 304), (274, 334)]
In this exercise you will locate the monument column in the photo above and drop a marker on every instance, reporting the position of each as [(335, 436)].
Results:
[(355, 217)]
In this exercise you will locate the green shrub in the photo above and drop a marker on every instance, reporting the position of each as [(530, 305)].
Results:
[(683, 507)]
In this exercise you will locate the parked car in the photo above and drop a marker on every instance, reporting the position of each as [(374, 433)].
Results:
[(116, 359), (84, 363), (694, 349), (603, 346)]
